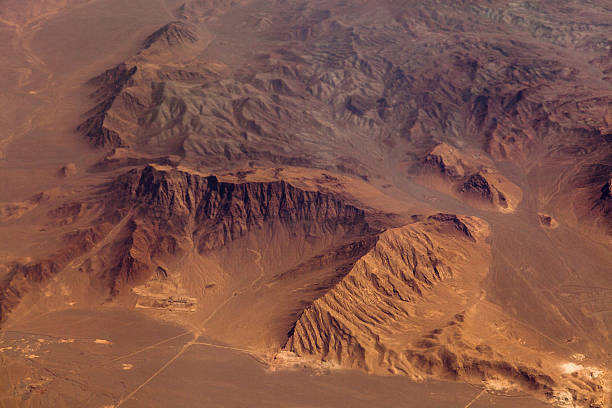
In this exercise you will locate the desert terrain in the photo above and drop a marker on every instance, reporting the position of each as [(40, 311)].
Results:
[(314, 203)]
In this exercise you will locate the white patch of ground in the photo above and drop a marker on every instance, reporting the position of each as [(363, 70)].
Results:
[(569, 368), (501, 385), (289, 360)]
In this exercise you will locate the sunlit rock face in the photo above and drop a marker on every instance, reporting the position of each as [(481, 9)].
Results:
[(413, 189)]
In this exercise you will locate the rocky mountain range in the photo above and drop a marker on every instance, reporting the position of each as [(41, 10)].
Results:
[(415, 189)]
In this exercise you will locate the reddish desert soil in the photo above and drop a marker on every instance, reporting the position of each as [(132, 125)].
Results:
[(305, 204)]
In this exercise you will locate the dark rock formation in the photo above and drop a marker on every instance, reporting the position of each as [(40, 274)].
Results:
[(471, 178), (606, 191), (222, 211), (109, 86), (170, 35), (478, 185)]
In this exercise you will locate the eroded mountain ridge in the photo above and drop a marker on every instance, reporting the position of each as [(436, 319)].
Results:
[(333, 184)]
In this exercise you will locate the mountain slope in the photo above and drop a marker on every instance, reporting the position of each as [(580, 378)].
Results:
[(416, 189)]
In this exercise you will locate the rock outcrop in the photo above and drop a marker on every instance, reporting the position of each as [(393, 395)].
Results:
[(68, 170), (172, 34), (604, 204), (471, 178), (606, 195), (589, 197)]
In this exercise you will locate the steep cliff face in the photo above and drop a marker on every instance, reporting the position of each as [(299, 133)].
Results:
[(217, 212), (157, 213), (169, 207)]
